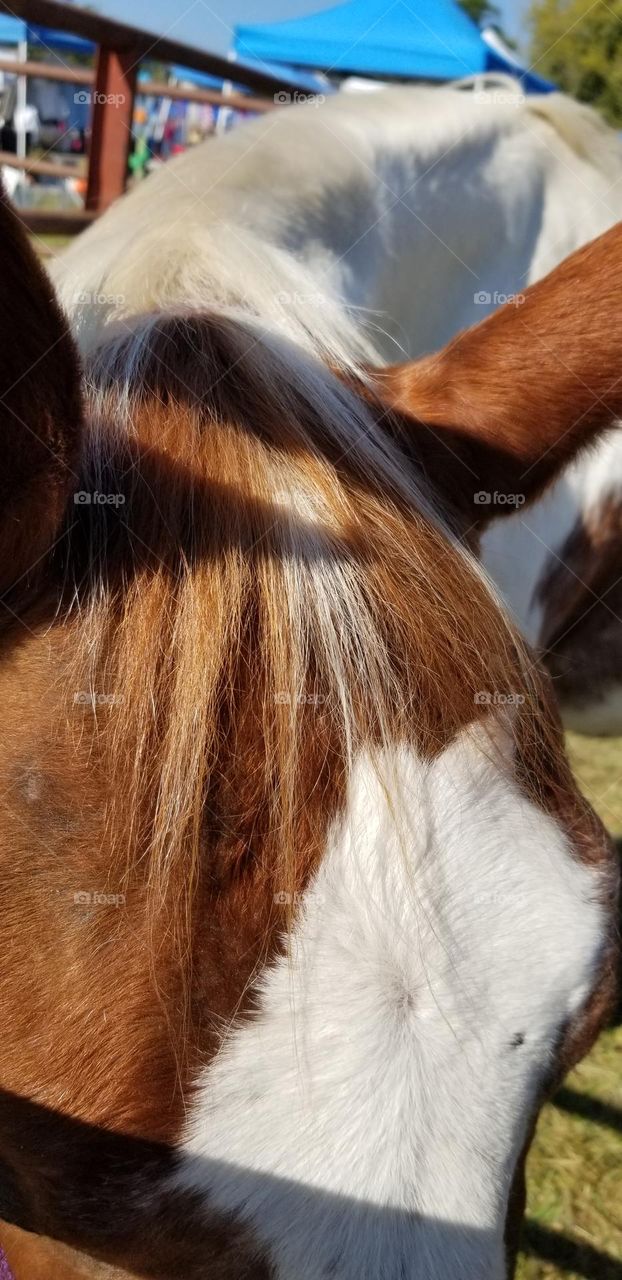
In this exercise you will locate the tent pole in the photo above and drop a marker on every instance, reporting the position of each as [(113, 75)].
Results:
[(225, 113), (20, 102)]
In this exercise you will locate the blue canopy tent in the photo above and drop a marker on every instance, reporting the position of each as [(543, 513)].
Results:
[(13, 31), (502, 58), (299, 79), (44, 38), (421, 39), (60, 100)]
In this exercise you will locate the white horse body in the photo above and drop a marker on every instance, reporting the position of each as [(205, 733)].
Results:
[(373, 227), (403, 209)]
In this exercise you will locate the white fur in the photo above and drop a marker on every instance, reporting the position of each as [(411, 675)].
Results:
[(520, 550), (405, 203), (369, 1116)]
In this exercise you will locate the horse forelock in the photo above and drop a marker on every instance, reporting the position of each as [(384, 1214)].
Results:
[(259, 587), (264, 592)]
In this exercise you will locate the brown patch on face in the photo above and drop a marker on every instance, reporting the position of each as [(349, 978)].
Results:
[(581, 598), (101, 1192), (33, 1257), (129, 991), (37, 1257), (103, 1022)]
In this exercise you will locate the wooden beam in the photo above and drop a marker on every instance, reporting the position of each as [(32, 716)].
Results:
[(48, 71), (211, 97), (145, 44), (147, 88), (47, 168), (111, 126)]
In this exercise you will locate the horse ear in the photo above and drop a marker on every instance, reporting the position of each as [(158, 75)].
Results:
[(40, 406), (496, 415)]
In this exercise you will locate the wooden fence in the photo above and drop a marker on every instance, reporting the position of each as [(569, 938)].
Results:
[(112, 88)]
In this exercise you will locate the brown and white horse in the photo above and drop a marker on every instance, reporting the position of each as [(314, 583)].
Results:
[(302, 914)]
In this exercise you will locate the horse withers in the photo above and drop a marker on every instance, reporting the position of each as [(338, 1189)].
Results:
[(302, 913)]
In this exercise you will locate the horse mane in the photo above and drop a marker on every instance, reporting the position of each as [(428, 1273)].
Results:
[(576, 124), (581, 128)]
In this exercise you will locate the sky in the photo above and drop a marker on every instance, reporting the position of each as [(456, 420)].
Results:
[(209, 23)]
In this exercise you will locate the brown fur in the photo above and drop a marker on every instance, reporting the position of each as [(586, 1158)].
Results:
[(40, 406), (36, 1257)]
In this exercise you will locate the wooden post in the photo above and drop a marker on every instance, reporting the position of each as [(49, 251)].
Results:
[(111, 126)]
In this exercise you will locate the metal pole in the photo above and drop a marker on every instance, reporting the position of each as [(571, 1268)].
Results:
[(21, 102)]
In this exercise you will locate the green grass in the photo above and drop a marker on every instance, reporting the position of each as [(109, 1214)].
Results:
[(574, 1210), (47, 246)]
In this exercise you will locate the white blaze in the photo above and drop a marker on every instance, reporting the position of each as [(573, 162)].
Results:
[(366, 1121)]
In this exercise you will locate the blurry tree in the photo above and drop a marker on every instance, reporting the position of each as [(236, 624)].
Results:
[(481, 11), (486, 14), (578, 45)]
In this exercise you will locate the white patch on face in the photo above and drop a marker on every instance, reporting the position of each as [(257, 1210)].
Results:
[(367, 1121)]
